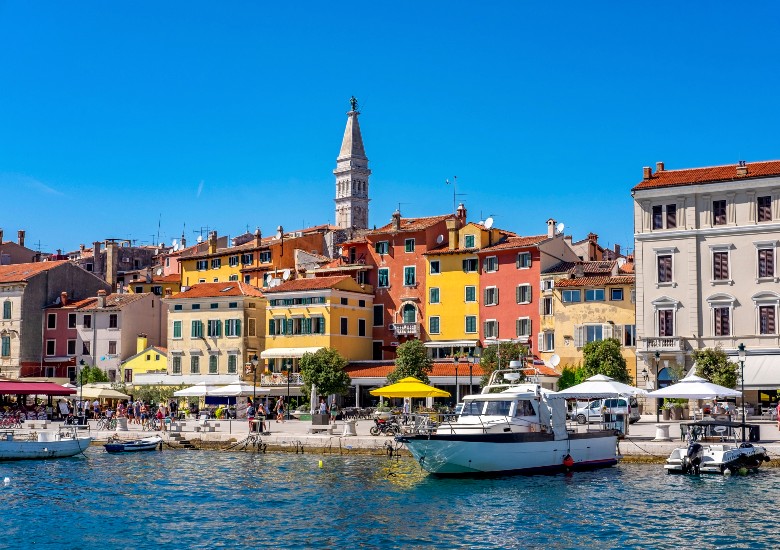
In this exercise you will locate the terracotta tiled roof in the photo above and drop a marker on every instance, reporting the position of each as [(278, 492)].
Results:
[(516, 242), (24, 272), (597, 267), (596, 281), (445, 251), (316, 283), (113, 301), (627, 267), (710, 174), (411, 224), (216, 290)]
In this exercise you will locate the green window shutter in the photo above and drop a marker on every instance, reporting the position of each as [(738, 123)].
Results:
[(289, 326), (238, 327), (322, 325), (271, 327), (219, 328)]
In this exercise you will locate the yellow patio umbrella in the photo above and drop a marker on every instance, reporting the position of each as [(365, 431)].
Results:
[(409, 387)]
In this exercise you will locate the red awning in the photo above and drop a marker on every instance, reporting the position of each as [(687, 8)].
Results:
[(33, 388)]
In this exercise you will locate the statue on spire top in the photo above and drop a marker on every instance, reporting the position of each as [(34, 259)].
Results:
[(354, 103)]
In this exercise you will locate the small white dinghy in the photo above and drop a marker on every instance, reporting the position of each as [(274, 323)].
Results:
[(44, 444), (721, 458)]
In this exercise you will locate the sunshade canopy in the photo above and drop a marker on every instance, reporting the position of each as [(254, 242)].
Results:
[(694, 387), (239, 389), (96, 392), (409, 387), (599, 386), (198, 390), (8, 387)]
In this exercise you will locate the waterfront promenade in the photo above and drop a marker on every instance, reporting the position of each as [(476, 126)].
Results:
[(295, 436)]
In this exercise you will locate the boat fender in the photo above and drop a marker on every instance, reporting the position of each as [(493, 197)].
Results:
[(568, 461)]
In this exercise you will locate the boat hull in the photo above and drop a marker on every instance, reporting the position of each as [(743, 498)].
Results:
[(38, 450), (147, 444), (511, 453)]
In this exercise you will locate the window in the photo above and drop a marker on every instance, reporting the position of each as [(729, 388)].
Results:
[(491, 296), (382, 247), (197, 329), (569, 296), (250, 327), (383, 277), (523, 260), (201, 265), (318, 325), (491, 328), (112, 347), (471, 324), (665, 268), (247, 258), (216, 263), (139, 289), (523, 294), (213, 364), (88, 321), (720, 266), (7, 309), (766, 320), (764, 205), (51, 320), (177, 329), (176, 364), (344, 301), (264, 257), (233, 261), (5, 346), (468, 241), (546, 341), (547, 305), (470, 265), (379, 315), (719, 212), (409, 245), (214, 306), (71, 347), (233, 327), (594, 295), (523, 327), (195, 307), (491, 264), (157, 290), (344, 326), (410, 275), (766, 263), (471, 294), (178, 307), (665, 322), (629, 336), (658, 217), (433, 295), (113, 320), (433, 325), (50, 347), (85, 347), (671, 216), (616, 294), (721, 317), (214, 328), (232, 364), (361, 327), (593, 333), (435, 267), (195, 364)]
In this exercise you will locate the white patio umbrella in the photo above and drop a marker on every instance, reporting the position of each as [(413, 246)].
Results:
[(313, 398), (694, 387), (599, 386), (238, 389), (201, 389)]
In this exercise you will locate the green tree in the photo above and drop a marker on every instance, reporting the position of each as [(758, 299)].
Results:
[(91, 375), (325, 369), (411, 360), (489, 360), (604, 357), (714, 365), (571, 375)]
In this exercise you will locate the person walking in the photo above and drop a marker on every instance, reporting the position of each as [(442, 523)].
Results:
[(137, 410), (334, 412), (250, 415), (279, 408)]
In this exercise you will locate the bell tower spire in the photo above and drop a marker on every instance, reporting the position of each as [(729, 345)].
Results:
[(352, 176)]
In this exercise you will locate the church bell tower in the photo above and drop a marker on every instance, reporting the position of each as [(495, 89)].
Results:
[(352, 176)]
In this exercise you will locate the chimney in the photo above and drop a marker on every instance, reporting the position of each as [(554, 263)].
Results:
[(396, 220), (20, 235), (592, 237), (141, 343), (452, 230), (617, 249), (461, 214), (183, 242), (97, 264), (212, 242), (579, 270), (111, 264), (168, 293), (1, 235), (149, 274), (64, 298), (742, 170), (550, 228), (258, 237), (82, 248), (101, 299), (648, 173), (659, 167)]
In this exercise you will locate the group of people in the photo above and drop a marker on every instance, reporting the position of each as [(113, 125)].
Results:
[(260, 409), (332, 410)]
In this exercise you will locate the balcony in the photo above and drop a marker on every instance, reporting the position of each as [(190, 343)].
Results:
[(406, 329), (280, 379), (663, 343)]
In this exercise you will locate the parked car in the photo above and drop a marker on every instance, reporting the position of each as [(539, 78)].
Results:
[(593, 411)]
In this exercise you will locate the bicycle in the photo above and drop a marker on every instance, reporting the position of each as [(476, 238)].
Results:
[(151, 424), (106, 423)]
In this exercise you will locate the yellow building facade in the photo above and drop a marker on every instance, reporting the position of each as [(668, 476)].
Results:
[(148, 359), (305, 315)]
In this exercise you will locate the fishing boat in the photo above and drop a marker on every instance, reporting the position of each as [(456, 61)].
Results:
[(42, 445), (521, 429), (145, 444)]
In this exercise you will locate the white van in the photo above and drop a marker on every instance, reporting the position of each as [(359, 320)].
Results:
[(593, 411)]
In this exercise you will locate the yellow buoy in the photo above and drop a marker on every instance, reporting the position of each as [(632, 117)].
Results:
[(320, 463)]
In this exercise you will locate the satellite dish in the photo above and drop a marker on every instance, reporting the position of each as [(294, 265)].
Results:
[(279, 232), (159, 271), (481, 222), (488, 223), (200, 238), (173, 242), (286, 274), (559, 228), (440, 239), (621, 262), (555, 360)]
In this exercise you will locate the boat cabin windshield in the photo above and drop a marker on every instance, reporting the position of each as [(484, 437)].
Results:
[(523, 407)]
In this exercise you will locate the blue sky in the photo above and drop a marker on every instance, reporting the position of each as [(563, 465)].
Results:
[(114, 116)]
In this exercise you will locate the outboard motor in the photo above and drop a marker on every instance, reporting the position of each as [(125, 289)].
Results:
[(692, 459)]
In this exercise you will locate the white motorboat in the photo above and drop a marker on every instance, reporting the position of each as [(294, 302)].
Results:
[(44, 444), (519, 430), (145, 444), (720, 458)]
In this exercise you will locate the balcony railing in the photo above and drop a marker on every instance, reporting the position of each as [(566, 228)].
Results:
[(280, 379), (406, 329), (663, 343)]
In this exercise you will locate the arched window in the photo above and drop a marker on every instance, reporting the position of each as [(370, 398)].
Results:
[(409, 313)]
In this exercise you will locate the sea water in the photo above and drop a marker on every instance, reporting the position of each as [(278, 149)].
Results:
[(211, 499)]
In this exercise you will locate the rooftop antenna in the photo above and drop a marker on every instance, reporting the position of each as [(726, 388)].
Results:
[(200, 231), (399, 205), (455, 193)]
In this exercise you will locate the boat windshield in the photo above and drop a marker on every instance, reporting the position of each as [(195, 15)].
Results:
[(498, 408), (524, 408), (472, 408)]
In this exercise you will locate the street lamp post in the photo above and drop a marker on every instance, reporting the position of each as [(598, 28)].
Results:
[(475, 357), (254, 379), (657, 385), (81, 388), (742, 353), (457, 388), (287, 405)]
